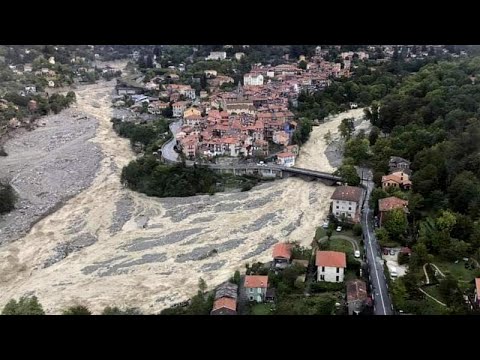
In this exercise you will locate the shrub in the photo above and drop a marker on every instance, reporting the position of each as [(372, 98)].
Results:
[(357, 230), (322, 286)]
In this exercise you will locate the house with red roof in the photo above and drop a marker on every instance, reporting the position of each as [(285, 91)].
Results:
[(331, 266), (390, 203), (256, 287), (398, 179), (286, 159), (225, 302), (282, 254)]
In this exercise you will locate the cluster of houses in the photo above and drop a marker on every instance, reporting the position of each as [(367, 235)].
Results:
[(330, 267), (237, 124), (245, 121)]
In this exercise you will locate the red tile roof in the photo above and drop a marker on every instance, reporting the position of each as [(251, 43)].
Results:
[(225, 302), (285, 155), (256, 281), (347, 193), (282, 250), (391, 203), (331, 259)]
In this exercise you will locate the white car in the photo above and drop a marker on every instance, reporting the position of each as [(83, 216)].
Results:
[(357, 253), (339, 228)]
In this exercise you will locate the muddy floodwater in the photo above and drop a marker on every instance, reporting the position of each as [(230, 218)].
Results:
[(109, 246)]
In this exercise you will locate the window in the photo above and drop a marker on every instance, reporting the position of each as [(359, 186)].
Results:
[(337, 213), (350, 208), (251, 298), (349, 203), (337, 206), (338, 270), (323, 268), (322, 277), (251, 290), (338, 279)]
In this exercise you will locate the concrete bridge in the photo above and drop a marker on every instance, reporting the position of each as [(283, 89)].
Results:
[(274, 171)]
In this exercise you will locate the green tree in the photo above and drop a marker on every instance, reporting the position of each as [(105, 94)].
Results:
[(77, 310), (328, 137), (377, 194), (358, 149), (357, 230), (382, 236), (25, 306), (202, 285), (236, 277), (420, 255), (346, 127), (374, 134), (395, 223), (302, 65), (349, 174), (446, 221), (117, 311)]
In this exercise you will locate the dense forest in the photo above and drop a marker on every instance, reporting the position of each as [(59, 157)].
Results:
[(432, 118), (148, 136), (148, 176)]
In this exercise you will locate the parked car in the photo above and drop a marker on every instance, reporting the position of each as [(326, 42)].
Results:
[(357, 253), (339, 228), (325, 225)]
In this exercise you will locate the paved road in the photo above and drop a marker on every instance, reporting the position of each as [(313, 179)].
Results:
[(167, 150), (381, 298)]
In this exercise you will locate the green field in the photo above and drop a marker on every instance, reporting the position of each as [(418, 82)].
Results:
[(261, 309)]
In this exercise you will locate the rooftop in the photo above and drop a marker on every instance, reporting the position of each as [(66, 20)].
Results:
[(225, 302), (347, 193), (391, 203), (331, 259), (282, 250), (256, 281)]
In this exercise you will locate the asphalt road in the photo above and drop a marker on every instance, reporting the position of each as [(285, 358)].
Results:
[(381, 298), (167, 150)]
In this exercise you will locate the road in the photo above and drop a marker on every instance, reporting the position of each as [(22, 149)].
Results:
[(167, 150), (381, 298)]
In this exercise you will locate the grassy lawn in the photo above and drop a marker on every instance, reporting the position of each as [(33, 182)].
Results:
[(457, 270), (433, 291), (320, 233), (336, 244), (261, 309)]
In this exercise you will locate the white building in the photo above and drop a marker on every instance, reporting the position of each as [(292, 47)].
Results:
[(252, 80), (178, 108), (188, 92), (346, 201), (217, 55), (239, 55), (51, 60), (286, 159), (330, 266), (256, 287)]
